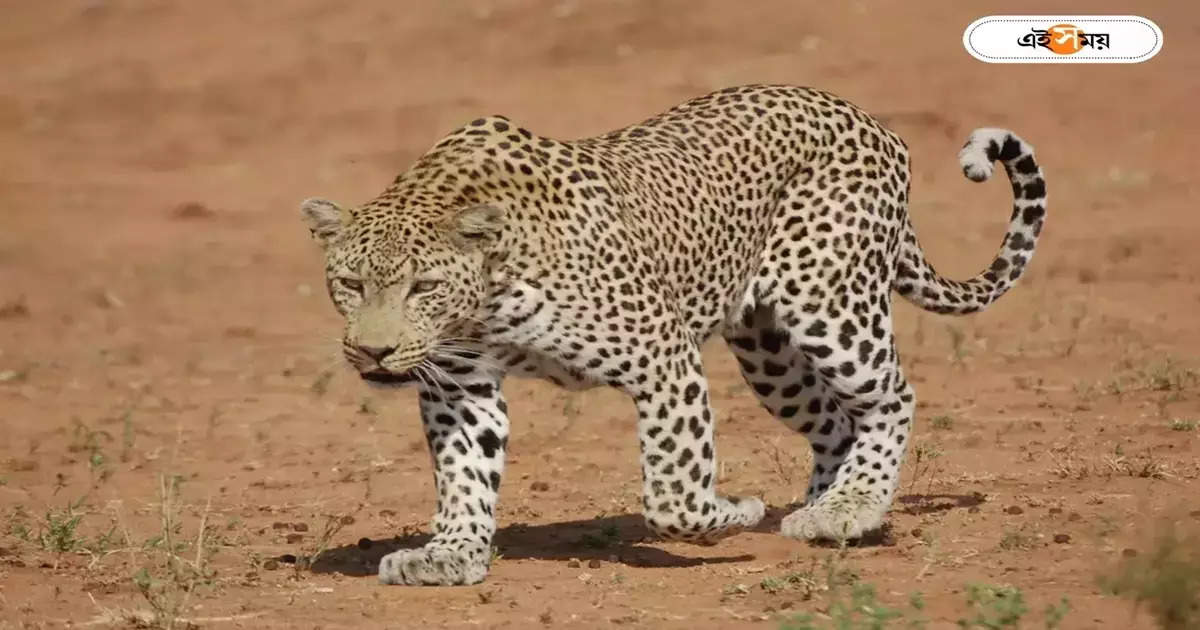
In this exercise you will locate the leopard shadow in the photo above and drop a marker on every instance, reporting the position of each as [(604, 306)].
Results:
[(623, 539)]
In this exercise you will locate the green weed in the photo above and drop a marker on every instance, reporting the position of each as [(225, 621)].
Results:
[(1165, 578)]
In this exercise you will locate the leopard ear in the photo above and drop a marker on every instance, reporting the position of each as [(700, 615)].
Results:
[(325, 219), (478, 226)]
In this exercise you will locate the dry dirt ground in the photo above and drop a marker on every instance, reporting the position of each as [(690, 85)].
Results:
[(169, 363)]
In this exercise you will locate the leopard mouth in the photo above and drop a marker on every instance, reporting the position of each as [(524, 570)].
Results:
[(383, 377)]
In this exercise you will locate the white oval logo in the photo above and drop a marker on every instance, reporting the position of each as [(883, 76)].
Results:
[(1063, 39)]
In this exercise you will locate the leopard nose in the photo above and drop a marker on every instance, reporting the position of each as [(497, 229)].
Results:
[(377, 353)]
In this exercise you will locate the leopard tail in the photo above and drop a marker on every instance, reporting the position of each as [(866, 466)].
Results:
[(917, 280)]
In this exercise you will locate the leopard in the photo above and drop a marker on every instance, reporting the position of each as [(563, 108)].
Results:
[(775, 216)]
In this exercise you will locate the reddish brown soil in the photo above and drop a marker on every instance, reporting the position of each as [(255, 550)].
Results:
[(161, 312)]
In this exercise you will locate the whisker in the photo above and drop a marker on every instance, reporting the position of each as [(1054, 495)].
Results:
[(437, 371), (423, 367), (419, 373), (478, 360)]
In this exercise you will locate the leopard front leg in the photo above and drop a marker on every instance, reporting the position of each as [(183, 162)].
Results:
[(675, 430), (467, 431)]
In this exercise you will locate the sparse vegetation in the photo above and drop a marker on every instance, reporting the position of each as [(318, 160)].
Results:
[(958, 344), (169, 579), (802, 582), (926, 465), (1145, 464), (333, 524), (58, 530), (1179, 424), (320, 384), (90, 442), (1167, 376), (127, 436), (989, 607), (1018, 539), (602, 539), (1165, 578), (942, 422), (993, 607), (861, 611)]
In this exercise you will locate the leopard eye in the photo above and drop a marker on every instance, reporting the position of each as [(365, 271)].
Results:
[(352, 284), (425, 286)]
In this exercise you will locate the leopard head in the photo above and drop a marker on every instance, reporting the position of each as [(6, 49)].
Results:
[(409, 278)]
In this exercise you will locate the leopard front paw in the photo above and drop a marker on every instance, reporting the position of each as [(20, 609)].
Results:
[(435, 566)]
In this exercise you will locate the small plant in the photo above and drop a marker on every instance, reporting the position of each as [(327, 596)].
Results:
[(772, 585), (1017, 540), (18, 524), (1055, 613), (942, 423), (1163, 376), (958, 343), (862, 611), (989, 608), (733, 590), (320, 385), (788, 465), (994, 607), (89, 441), (800, 581), (170, 583), (334, 523), (604, 539), (1164, 578), (570, 407), (1167, 376), (1179, 424), (57, 531), (925, 465), (127, 436), (1076, 323)]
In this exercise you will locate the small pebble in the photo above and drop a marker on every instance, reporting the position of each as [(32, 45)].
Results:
[(916, 532), (364, 543), (271, 565), (294, 538), (1074, 516), (1055, 510), (1129, 553), (1014, 510), (347, 520), (278, 525), (539, 486), (300, 527), (1062, 539), (573, 563), (594, 563), (288, 558)]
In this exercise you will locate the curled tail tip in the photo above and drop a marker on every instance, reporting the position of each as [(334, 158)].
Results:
[(988, 145), (976, 171)]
